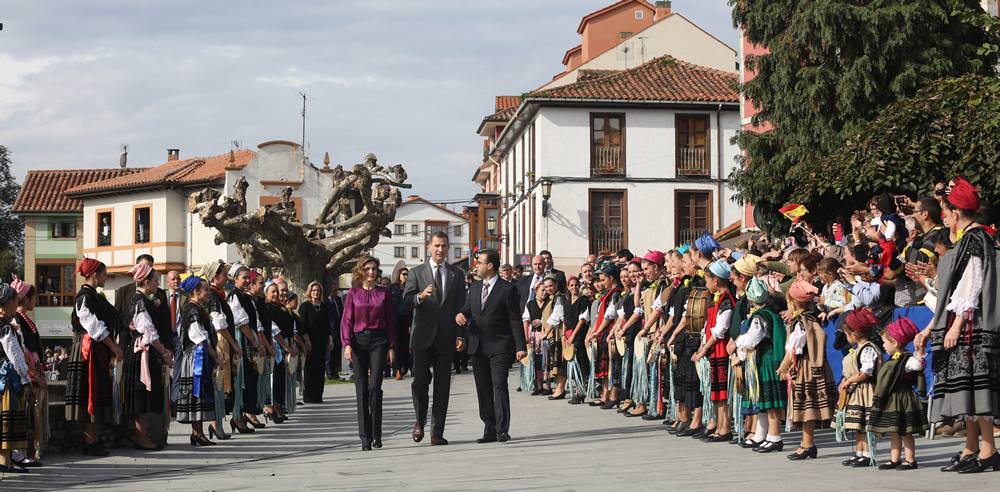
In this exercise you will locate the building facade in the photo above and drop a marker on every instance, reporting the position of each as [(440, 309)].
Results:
[(416, 220)]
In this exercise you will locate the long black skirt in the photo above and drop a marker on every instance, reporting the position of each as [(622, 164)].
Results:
[(78, 383), (136, 399), (687, 386)]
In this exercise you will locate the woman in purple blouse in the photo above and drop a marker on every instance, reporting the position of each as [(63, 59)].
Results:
[(367, 332)]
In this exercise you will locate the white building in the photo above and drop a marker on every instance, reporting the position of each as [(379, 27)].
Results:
[(416, 220), (635, 159)]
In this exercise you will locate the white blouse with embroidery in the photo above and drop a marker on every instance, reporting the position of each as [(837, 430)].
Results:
[(964, 301), (96, 328)]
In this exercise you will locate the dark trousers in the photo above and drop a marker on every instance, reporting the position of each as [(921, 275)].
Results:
[(333, 365), (369, 349), (312, 378), (437, 357), (491, 371), (402, 362)]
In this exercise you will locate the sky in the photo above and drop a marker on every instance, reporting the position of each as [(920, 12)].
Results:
[(407, 80)]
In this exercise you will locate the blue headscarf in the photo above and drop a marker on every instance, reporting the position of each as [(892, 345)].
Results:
[(190, 283), (721, 269), (683, 248), (757, 291), (706, 244), (611, 270), (6, 293)]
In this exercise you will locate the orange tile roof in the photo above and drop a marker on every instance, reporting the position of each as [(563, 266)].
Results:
[(661, 79), (585, 74), (43, 191), (182, 172), (610, 8), (570, 52), (504, 102)]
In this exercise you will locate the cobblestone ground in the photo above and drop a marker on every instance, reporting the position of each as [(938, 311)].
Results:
[(555, 446)]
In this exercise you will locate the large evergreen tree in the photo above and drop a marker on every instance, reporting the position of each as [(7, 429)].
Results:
[(11, 228), (832, 66)]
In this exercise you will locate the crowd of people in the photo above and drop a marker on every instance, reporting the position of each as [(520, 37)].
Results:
[(884, 325)]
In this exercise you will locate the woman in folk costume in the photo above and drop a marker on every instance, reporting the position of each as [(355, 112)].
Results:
[(657, 290), (13, 384), (217, 276), (716, 337), (813, 390), (553, 325), (688, 309), (534, 313), (145, 357), (282, 332), (577, 315), (662, 315), (266, 338), (629, 322), (240, 302), (744, 412), (192, 389), (965, 333), (605, 309), (302, 346), (762, 347), (89, 398), (37, 396), (896, 409), (860, 367)]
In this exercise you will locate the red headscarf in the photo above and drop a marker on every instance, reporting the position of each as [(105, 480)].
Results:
[(802, 291), (88, 266), (903, 331), (963, 194), (860, 320), (140, 271)]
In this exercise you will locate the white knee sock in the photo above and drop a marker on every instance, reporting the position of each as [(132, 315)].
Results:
[(761, 430)]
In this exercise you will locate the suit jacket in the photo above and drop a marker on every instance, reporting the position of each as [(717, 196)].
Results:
[(560, 279), (496, 326), (436, 313)]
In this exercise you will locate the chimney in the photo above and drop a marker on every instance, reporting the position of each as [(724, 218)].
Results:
[(173, 154), (662, 10)]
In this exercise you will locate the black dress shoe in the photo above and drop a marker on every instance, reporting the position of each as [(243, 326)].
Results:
[(366, 445), (805, 454), (418, 432), (28, 463), (980, 465), (12, 469), (438, 441), (503, 437), (770, 447), (546, 392), (889, 465), (853, 459), (698, 433), (560, 397), (575, 400), (688, 432), (750, 444), (862, 462), (536, 392), (650, 416), (377, 443), (959, 462), (907, 465), (486, 439), (719, 437), (608, 405), (596, 403)]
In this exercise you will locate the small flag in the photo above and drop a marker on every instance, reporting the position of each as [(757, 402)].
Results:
[(794, 212)]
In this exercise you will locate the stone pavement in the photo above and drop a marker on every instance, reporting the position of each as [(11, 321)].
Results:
[(555, 446)]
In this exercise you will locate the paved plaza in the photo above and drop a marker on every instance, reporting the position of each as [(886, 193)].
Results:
[(555, 446)]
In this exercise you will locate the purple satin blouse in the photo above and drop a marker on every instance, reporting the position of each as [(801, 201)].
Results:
[(366, 309)]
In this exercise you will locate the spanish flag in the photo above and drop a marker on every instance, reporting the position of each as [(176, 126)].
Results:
[(794, 212)]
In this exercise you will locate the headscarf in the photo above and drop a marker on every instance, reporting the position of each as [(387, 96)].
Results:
[(903, 331), (860, 320), (963, 194), (683, 248), (211, 268), (611, 270), (6, 293), (657, 257), (88, 266), (747, 264), (721, 269), (253, 275), (550, 276), (20, 287), (757, 291), (802, 291), (140, 271), (706, 244), (190, 283), (235, 268)]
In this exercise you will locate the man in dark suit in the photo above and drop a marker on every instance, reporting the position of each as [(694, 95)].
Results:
[(435, 291), (527, 284), (335, 307), (494, 310), (550, 269)]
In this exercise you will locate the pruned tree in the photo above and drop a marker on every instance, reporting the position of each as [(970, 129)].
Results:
[(361, 204)]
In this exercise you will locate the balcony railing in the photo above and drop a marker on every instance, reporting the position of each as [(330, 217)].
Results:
[(693, 161), (606, 239), (687, 236), (606, 161)]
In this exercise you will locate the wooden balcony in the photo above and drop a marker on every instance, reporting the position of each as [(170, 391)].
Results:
[(687, 236), (606, 239), (607, 161), (693, 161)]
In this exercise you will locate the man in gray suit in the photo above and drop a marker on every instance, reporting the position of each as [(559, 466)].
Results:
[(435, 291)]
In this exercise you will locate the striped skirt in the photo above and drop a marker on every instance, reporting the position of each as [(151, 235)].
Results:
[(13, 420), (814, 394), (191, 408), (78, 384)]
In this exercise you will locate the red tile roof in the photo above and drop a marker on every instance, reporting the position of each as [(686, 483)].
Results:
[(661, 79), (611, 8), (183, 172), (585, 74), (42, 191), (420, 199), (570, 52), (504, 102)]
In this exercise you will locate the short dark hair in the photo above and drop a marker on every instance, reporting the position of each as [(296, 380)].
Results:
[(932, 207), (545, 252), (625, 253), (144, 257), (492, 257), (439, 235)]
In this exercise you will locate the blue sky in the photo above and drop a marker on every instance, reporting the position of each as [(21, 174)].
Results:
[(409, 81)]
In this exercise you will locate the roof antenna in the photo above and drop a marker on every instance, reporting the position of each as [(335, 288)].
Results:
[(303, 94), (123, 159)]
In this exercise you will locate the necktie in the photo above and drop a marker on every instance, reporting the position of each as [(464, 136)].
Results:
[(173, 311), (534, 283), (486, 293), (438, 283)]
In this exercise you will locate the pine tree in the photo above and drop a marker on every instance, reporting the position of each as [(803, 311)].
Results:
[(11, 228), (832, 66)]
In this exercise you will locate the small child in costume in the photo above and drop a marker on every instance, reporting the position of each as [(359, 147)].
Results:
[(861, 365)]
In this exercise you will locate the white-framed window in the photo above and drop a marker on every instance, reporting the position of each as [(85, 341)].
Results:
[(400, 229), (414, 230), (398, 251), (456, 231), (640, 15), (414, 252)]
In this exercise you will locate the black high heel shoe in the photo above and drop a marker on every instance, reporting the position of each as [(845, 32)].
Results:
[(770, 447), (809, 452), (366, 445), (254, 423), (959, 462), (237, 429), (93, 449), (201, 441), (980, 465), (377, 443), (218, 434)]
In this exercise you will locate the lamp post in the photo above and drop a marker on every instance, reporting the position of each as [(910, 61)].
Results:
[(546, 194)]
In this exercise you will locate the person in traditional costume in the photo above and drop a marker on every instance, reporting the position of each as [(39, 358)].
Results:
[(605, 310), (662, 313), (193, 389), (13, 383), (715, 339), (628, 324), (283, 334), (688, 311), (577, 316), (861, 366), (96, 324), (37, 394), (965, 333), (143, 385), (303, 345), (813, 392), (896, 408), (217, 276), (265, 350), (537, 308), (655, 292), (245, 404), (744, 268), (760, 349), (553, 328)]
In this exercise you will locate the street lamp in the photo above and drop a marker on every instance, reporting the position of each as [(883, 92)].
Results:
[(491, 225), (546, 194)]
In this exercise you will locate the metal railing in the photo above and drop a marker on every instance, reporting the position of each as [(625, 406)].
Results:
[(606, 239), (688, 235), (693, 161), (606, 161)]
